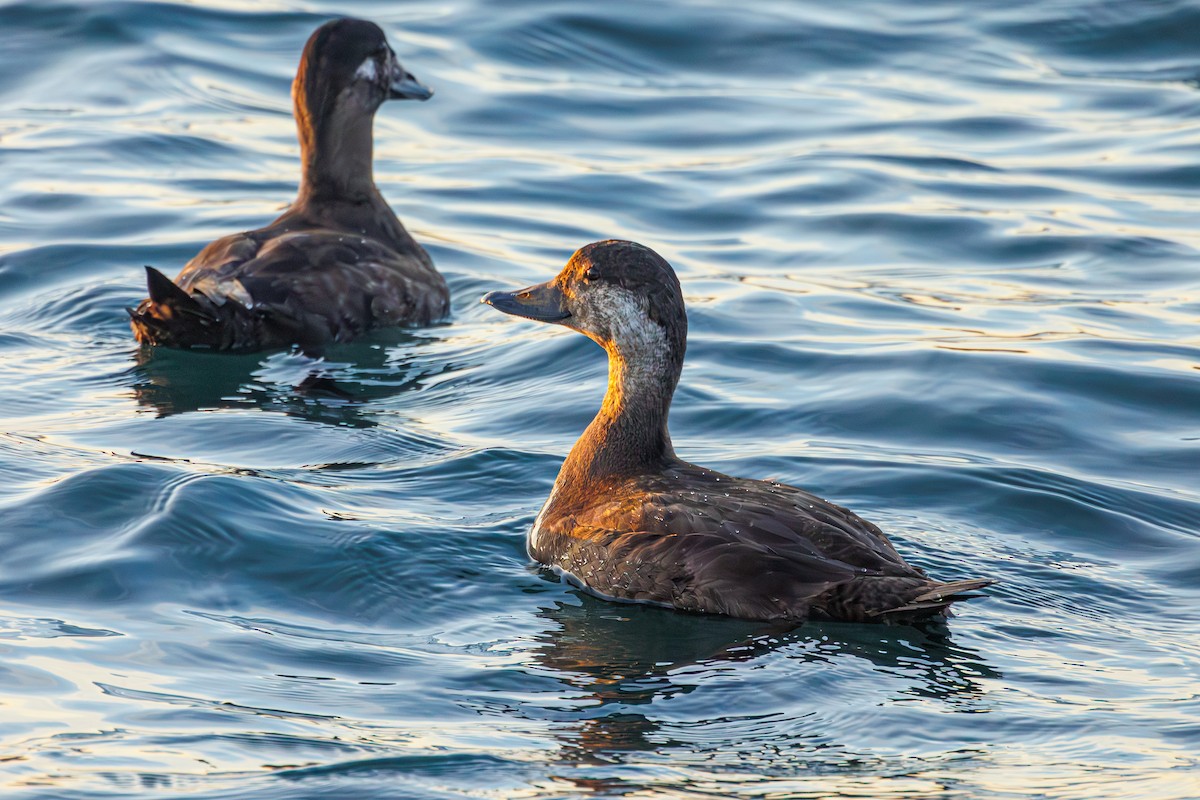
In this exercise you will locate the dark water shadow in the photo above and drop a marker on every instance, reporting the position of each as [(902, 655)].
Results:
[(332, 389), (618, 659)]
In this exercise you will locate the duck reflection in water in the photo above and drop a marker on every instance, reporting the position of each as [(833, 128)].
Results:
[(624, 665), (337, 392)]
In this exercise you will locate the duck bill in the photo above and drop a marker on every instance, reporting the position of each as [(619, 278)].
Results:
[(544, 303), (404, 86)]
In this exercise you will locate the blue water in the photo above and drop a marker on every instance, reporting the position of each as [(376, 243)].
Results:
[(942, 262)]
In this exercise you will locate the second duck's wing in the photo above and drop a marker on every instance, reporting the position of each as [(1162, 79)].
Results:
[(305, 287), (353, 283)]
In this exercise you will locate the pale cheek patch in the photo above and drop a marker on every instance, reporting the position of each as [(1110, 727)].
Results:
[(640, 341), (619, 314), (367, 70)]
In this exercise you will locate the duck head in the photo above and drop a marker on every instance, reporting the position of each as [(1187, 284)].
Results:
[(621, 294), (350, 60), (346, 72), (625, 297)]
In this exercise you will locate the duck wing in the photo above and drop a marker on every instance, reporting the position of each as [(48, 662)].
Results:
[(744, 548), (255, 291), (696, 571), (784, 519)]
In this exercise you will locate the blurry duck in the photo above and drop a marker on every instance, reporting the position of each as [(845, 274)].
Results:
[(630, 520), (338, 262)]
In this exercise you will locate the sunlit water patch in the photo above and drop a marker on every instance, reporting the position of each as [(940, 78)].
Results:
[(941, 264)]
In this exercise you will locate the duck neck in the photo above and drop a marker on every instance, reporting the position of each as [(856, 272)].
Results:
[(629, 434), (336, 150)]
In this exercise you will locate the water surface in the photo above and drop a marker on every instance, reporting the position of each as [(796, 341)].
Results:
[(942, 266)]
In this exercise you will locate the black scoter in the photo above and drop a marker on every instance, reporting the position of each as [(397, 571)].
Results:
[(338, 262), (630, 520)]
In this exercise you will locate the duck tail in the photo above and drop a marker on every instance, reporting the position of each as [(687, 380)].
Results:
[(930, 599), (173, 317)]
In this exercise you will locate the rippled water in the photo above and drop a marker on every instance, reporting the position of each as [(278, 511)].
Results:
[(942, 266)]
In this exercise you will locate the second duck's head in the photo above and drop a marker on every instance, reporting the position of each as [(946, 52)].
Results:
[(349, 68), (621, 294)]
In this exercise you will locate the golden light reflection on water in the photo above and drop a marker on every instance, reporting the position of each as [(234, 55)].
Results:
[(1158, 774), (152, 195)]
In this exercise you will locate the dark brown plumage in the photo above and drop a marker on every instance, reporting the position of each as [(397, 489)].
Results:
[(338, 262), (632, 521)]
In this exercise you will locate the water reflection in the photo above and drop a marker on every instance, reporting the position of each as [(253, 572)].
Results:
[(335, 392), (620, 660)]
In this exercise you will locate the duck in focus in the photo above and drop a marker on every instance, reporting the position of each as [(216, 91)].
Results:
[(338, 262), (629, 520)]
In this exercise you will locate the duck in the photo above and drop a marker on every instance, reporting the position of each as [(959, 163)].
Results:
[(338, 262), (629, 520)]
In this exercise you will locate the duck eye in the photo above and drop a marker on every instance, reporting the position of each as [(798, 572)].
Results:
[(590, 274)]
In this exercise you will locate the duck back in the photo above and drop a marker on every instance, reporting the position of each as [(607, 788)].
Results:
[(697, 540), (290, 284)]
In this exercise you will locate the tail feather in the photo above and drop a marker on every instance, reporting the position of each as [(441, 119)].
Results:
[(164, 291), (954, 590), (893, 598), (936, 597), (175, 317)]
